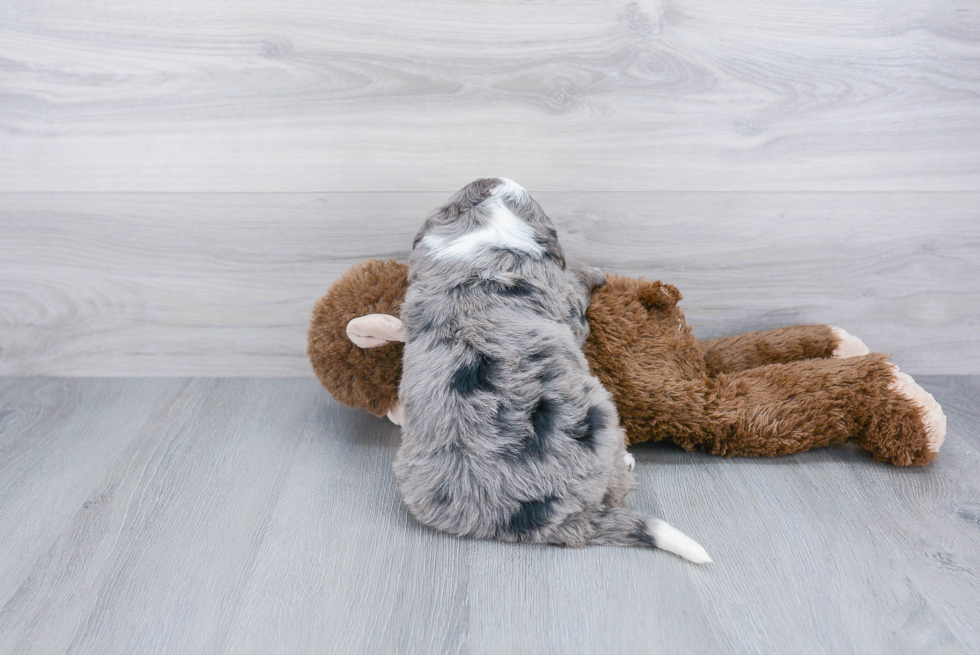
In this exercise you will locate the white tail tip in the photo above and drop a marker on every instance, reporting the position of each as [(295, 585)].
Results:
[(671, 539)]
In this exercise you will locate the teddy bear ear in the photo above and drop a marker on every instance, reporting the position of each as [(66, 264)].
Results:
[(658, 295), (375, 330)]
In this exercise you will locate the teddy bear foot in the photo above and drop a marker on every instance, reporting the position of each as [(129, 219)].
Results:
[(848, 345), (933, 417), (397, 413)]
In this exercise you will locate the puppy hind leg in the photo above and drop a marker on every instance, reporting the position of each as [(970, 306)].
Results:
[(620, 482)]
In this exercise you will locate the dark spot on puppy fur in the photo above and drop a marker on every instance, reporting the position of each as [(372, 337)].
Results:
[(549, 374), (596, 418), (508, 288), (583, 434), (543, 420), (542, 354), (642, 536), (585, 430), (544, 358), (417, 329), (532, 515), (503, 419), (518, 443), (442, 496), (517, 289), (533, 443), (474, 376)]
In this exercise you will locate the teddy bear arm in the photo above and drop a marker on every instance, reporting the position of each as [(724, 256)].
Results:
[(741, 352)]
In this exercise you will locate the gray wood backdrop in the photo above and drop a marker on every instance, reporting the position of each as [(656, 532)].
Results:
[(180, 181)]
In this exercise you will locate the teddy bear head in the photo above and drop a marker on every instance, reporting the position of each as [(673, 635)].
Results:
[(354, 341)]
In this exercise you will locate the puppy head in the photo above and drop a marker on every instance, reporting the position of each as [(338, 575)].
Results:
[(489, 214)]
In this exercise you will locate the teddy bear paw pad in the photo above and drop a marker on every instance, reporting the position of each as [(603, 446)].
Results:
[(933, 416), (848, 345)]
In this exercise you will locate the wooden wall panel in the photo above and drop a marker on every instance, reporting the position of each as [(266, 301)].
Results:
[(223, 284), (179, 181), (312, 95)]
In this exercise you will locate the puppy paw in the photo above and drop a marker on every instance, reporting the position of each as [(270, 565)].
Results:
[(630, 461), (932, 413), (848, 345)]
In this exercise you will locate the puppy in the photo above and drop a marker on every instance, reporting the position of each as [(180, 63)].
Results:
[(506, 434)]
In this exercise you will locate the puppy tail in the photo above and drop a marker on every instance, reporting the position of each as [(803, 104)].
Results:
[(618, 526)]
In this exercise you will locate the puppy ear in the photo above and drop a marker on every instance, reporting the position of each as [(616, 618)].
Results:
[(375, 330), (547, 238), (590, 277)]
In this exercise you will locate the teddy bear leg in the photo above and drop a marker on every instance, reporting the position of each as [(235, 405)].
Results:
[(788, 408), (848, 345), (788, 344), (907, 409)]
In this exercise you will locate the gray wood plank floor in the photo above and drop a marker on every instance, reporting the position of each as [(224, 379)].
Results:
[(258, 516)]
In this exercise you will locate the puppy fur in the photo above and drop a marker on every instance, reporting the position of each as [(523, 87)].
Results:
[(506, 433)]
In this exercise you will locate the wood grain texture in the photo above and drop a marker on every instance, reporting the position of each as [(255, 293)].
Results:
[(314, 95), (257, 516), (223, 284), (57, 440)]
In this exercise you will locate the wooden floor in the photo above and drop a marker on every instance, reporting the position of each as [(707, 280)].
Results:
[(258, 516)]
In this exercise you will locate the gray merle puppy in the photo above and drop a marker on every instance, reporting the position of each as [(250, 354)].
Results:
[(506, 433)]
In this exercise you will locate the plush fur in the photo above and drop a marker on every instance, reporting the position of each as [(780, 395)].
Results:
[(506, 432), (756, 394), (766, 393), (363, 378)]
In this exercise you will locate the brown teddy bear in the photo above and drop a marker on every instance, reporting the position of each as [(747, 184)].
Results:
[(757, 394)]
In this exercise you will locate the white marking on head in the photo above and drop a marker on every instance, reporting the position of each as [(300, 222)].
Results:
[(503, 231), (510, 188)]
